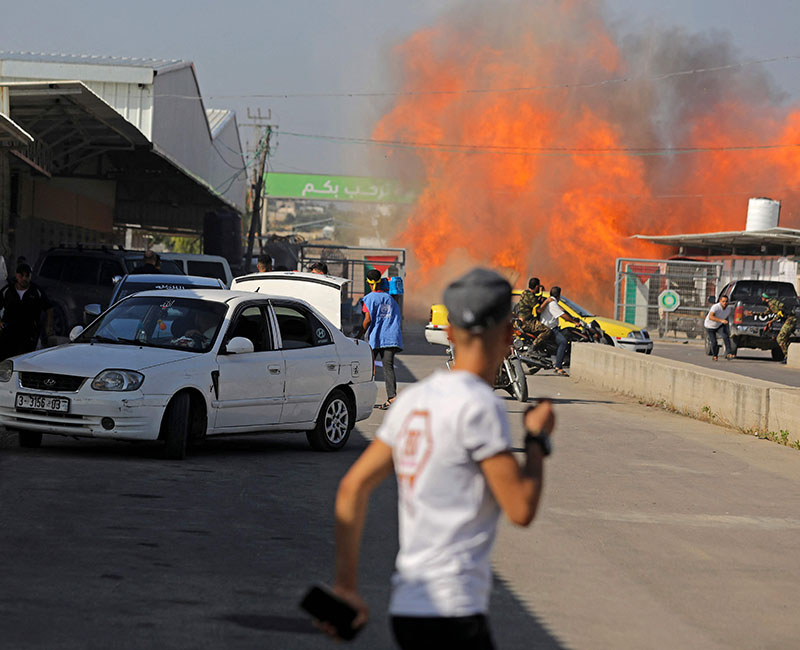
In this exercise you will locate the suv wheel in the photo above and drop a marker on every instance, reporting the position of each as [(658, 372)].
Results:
[(60, 325)]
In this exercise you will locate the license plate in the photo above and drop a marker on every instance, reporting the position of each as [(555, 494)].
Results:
[(42, 403)]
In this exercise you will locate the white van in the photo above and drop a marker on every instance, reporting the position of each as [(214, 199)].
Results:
[(207, 266)]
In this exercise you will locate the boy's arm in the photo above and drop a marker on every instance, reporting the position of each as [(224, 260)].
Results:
[(516, 487)]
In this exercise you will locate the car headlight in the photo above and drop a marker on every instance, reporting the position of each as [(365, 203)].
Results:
[(6, 370), (118, 380)]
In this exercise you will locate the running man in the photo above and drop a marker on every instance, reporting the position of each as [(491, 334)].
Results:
[(448, 441)]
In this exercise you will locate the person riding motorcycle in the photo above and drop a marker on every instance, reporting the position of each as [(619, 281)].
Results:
[(551, 312), (529, 309)]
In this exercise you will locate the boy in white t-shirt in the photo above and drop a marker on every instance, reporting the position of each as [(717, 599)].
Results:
[(448, 441)]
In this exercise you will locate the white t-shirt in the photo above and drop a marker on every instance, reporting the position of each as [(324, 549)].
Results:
[(719, 312), (551, 314), (439, 430)]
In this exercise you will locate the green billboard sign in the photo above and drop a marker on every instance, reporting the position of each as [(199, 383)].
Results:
[(324, 187)]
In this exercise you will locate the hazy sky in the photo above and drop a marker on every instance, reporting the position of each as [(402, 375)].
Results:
[(247, 47)]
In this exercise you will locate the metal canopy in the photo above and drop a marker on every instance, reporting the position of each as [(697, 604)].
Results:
[(775, 241), (12, 133), (70, 125), (78, 134)]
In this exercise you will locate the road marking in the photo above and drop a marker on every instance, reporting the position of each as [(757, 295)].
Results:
[(677, 519), (670, 468)]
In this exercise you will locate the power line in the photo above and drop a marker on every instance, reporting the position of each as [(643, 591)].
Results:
[(535, 151), (512, 89)]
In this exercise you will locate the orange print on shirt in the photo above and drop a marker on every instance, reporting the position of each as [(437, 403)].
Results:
[(413, 449)]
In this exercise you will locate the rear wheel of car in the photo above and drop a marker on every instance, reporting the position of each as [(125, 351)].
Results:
[(335, 421), (734, 346), (175, 427), (30, 439), (777, 354)]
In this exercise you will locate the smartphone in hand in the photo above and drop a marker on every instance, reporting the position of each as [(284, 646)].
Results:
[(327, 607)]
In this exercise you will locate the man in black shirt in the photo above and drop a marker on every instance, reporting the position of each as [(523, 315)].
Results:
[(23, 303)]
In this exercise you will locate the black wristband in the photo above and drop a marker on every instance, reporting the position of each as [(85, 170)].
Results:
[(541, 439)]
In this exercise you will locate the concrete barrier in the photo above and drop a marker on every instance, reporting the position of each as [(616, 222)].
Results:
[(793, 357), (784, 412), (715, 395)]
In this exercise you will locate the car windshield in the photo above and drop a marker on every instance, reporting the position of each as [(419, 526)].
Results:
[(167, 266), (752, 289), (159, 322), (576, 308)]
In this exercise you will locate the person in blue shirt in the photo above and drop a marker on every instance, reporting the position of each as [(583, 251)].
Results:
[(382, 324)]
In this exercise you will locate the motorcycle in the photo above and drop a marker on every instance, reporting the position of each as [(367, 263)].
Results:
[(542, 358), (510, 375)]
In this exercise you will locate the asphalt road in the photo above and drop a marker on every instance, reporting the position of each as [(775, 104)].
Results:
[(656, 531), (757, 364)]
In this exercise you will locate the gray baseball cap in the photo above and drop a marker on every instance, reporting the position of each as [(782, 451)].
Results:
[(478, 300)]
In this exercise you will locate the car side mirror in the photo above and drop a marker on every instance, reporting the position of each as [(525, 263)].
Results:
[(90, 312), (239, 345), (711, 300), (116, 280), (75, 332)]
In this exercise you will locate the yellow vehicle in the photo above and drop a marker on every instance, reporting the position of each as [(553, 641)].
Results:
[(623, 335)]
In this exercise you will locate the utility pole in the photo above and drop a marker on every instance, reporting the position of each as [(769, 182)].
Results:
[(257, 190), (262, 150)]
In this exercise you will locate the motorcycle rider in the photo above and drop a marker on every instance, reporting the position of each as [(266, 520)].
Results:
[(529, 308), (551, 312)]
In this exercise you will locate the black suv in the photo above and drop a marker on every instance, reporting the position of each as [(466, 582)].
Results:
[(77, 276), (750, 314)]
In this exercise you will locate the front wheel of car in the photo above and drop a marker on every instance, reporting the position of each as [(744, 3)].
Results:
[(175, 427), (30, 439), (334, 423)]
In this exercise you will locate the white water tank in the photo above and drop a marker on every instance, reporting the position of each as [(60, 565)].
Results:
[(762, 214)]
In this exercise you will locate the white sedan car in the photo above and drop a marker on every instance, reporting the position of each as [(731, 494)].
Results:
[(181, 365)]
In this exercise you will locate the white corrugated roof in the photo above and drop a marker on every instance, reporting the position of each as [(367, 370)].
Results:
[(217, 117), (89, 59)]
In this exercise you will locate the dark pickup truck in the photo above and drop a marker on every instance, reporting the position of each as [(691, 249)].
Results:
[(750, 314)]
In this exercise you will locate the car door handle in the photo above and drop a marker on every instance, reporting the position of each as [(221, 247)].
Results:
[(274, 370), (332, 365)]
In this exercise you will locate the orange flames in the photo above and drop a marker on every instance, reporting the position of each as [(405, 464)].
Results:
[(526, 183)]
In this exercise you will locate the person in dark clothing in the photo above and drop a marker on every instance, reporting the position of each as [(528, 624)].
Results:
[(150, 264), (23, 303)]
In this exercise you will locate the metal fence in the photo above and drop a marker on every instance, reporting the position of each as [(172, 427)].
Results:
[(665, 296)]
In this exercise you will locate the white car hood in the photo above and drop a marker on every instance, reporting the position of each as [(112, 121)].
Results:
[(88, 359)]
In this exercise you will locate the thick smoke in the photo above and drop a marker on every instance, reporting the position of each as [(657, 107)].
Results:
[(566, 215)]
